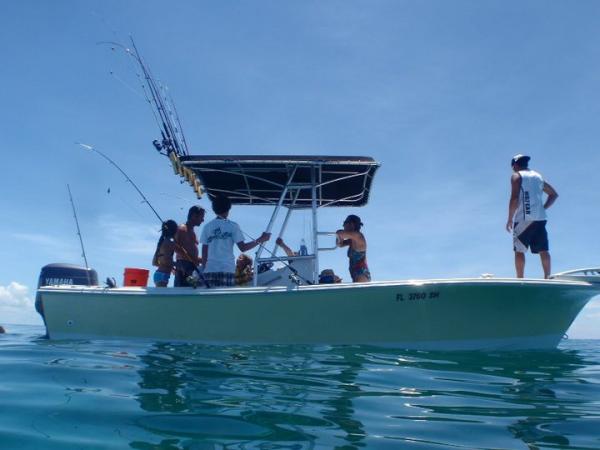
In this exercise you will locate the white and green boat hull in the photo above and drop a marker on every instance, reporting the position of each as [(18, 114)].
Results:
[(428, 314)]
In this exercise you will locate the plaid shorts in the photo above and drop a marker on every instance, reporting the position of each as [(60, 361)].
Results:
[(216, 279)]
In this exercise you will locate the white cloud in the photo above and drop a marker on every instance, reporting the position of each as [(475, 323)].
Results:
[(16, 305), (15, 295)]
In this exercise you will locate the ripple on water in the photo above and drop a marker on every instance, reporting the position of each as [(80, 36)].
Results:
[(144, 395)]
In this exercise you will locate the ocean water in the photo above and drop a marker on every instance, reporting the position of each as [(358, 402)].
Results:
[(145, 395)]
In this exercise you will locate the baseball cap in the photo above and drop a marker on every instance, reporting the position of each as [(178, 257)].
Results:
[(353, 219), (519, 159)]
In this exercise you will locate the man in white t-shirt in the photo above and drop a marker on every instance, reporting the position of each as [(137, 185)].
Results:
[(217, 239), (527, 213)]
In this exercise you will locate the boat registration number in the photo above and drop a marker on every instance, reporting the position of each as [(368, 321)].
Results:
[(411, 296)]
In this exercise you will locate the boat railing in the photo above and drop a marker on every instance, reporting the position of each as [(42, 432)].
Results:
[(589, 274), (327, 233), (585, 271), (285, 258)]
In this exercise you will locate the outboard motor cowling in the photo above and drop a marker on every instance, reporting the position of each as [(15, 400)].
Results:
[(59, 273)]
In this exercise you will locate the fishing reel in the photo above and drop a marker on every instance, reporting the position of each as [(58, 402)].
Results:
[(265, 266), (295, 278), (193, 281), (164, 147), (197, 279)]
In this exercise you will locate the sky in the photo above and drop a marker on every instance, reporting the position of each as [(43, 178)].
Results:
[(441, 93)]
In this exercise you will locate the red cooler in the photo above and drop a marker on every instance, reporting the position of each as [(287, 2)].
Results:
[(135, 277)]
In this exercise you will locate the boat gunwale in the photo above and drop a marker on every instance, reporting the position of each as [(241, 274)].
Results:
[(411, 283)]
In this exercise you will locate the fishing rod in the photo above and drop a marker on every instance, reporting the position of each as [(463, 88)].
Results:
[(281, 260), (78, 229), (92, 148), (166, 117), (164, 110), (87, 266), (169, 131)]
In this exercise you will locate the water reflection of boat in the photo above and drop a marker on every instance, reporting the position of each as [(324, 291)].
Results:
[(529, 391), (229, 396), (337, 397)]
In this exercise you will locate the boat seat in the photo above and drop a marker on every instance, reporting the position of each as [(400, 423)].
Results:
[(281, 276)]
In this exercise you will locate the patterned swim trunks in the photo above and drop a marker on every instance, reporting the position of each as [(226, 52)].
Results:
[(217, 279), (530, 235)]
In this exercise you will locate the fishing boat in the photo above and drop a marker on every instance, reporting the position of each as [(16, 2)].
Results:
[(286, 304)]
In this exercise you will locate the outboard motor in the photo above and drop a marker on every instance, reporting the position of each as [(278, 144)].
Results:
[(58, 273)]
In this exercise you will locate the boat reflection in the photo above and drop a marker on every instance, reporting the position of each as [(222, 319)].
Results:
[(197, 396), (231, 397), (479, 395)]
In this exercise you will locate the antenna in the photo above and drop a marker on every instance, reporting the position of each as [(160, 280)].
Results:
[(78, 230)]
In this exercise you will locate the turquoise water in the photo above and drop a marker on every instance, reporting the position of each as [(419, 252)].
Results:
[(119, 395)]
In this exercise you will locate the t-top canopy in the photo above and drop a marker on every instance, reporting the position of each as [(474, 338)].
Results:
[(261, 180)]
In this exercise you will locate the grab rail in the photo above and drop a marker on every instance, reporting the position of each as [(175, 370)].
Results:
[(327, 233), (585, 271), (588, 274)]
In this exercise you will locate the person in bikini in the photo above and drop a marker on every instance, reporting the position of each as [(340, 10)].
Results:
[(186, 250), (163, 256), (357, 248)]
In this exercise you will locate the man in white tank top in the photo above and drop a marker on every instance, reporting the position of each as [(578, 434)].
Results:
[(527, 213)]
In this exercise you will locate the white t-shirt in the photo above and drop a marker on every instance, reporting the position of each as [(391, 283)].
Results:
[(531, 203), (220, 235)]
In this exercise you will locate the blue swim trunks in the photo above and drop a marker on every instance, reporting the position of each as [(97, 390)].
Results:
[(161, 277)]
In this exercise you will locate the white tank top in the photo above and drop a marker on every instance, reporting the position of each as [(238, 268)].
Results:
[(531, 204)]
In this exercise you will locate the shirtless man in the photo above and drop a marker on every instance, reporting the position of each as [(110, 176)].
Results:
[(186, 250), (357, 248)]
